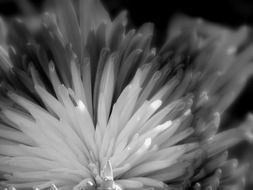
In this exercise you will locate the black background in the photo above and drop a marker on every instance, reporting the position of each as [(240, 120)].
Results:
[(231, 13)]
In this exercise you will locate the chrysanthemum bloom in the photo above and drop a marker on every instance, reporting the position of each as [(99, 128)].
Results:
[(87, 104)]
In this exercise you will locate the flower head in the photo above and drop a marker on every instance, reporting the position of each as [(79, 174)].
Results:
[(87, 104)]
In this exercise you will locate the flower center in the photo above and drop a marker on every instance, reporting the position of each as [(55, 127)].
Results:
[(103, 181)]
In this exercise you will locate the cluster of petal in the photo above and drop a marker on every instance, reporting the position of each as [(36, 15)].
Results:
[(87, 104)]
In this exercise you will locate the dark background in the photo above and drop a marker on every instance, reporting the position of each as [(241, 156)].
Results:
[(231, 13)]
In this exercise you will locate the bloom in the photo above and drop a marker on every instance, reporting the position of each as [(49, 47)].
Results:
[(88, 104)]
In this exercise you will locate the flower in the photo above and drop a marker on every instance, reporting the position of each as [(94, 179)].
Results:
[(87, 104)]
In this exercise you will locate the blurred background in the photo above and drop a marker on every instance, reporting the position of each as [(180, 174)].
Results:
[(231, 13)]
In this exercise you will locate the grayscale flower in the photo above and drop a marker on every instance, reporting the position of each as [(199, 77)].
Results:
[(88, 104)]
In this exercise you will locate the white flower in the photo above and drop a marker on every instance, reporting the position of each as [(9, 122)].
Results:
[(87, 104)]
